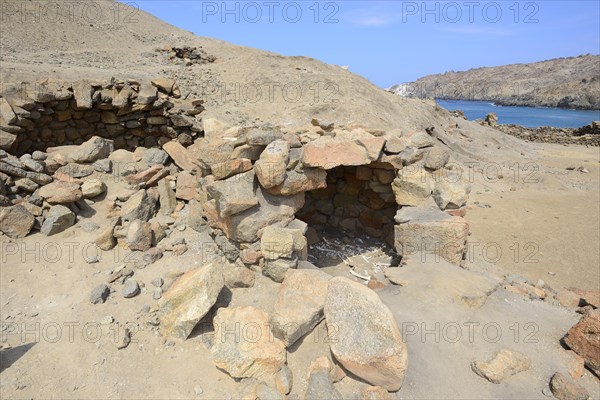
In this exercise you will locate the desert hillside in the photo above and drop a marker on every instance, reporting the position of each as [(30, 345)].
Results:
[(242, 85), (571, 82), (185, 218)]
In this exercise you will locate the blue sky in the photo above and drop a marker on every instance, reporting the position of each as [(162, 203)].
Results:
[(396, 41)]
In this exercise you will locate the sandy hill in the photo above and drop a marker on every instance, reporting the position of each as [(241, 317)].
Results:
[(571, 82), (243, 85)]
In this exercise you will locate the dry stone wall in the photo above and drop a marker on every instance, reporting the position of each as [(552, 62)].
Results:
[(357, 200), (130, 113), (254, 189), (240, 180)]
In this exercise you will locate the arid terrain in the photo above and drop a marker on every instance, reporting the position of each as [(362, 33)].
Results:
[(570, 82), (122, 283)]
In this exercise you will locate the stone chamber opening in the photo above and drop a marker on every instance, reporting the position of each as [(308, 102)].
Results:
[(351, 221)]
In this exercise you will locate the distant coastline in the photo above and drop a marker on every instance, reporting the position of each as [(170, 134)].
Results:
[(530, 116), (522, 103), (565, 83)]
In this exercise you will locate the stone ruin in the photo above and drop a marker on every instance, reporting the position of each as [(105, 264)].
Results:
[(391, 186), (35, 117), (259, 191)]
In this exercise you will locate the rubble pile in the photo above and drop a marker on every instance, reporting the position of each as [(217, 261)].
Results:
[(189, 55), (259, 192)]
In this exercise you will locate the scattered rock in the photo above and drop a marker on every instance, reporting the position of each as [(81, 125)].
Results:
[(589, 297), (91, 189), (375, 393), (166, 197), (243, 344), (412, 187), (565, 388), (99, 294), (158, 282), (106, 239), (502, 366), (59, 192), (451, 193), (320, 385), (154, 156), (139, 235), (186, 186), (130, 289), (436, 158), (299, 305), (568, 299), (151, 256), (126, 340), (395, 276), (57, 220), (94, 149), (104, 165), (367, 339), (89, 226), (574, 363), (189, 299), (257, 390), (16, 221), (182, 156), (584, 339), (284, 380), (271, 167), (139, 206), (237, 276), (195, 219), (276, 269)]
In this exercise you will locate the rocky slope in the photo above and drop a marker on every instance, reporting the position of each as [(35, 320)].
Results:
[(571, 82), (209, 225)]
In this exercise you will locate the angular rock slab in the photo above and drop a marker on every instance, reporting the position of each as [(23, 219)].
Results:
[(94, 149), (327, 153), (319, 386), (277, 242), (451, 194), (430, 234), (412, 187), (246, 226), (299, 305), (584, 339), (234, 195), (16, 221), (244, 346), (565, 388), (139, 206), (182, 156), (365, 338), (502, 366), (301, 181), (59, 192), (58, 219), (271, 166), (189, 299)]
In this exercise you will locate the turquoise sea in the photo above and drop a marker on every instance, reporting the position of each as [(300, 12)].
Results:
[(532, 117)]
